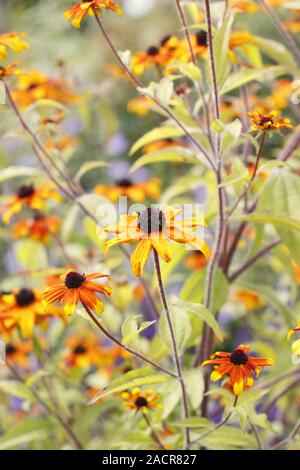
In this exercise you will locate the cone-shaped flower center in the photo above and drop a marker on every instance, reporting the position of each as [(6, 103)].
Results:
[(80, 349), (124, 182), (140, 402), (201, 37), (165, 39), (74, 280), (266, 120), (152, 50), (238, 357), (25, 297), (25, 190), (10, 349), (151, 220)]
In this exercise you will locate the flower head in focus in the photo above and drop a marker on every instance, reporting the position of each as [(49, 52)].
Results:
[(77, 287), (152, 229), (140, 401), (268, 122), (238, 366)]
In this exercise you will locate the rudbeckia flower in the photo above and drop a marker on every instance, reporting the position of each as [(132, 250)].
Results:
[(87, 351), (33, 85), (78, 11), (28, 195), (140, 105), (268, 122), (77, 287), (238, 366), (137, 192), (250, 299), (152, 229), (140, 401), (200, 42), (140, 61), (17, 352), (161, 145), (195, 260), (13, 41), (40, 227), (23, 308)]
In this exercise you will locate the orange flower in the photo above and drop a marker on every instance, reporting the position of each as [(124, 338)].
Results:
[(28, 195), (33, 86), (250, 299), (238, 366), (152, 229), (195, 260), (23, 308), (162, 144), (267, 122), (200, 42), (17, 352), (74, 288), (140, 401), (14, 41), (135, 191), (87, 351), (9, 70), (78, 11), (140, 105), (248, 7), (39, 227)]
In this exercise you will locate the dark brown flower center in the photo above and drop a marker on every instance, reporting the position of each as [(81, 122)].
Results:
[(140, 402), (238, 357), (25, 297), (10, 349), (74, 280), (25, 190), (124, 183), (151, 220), (80, 349), (152, 50), (266, 120), (201, 38), (165, 39)]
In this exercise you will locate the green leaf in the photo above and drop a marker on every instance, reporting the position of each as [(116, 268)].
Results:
[(31, 254), (16, 389), (17, 171), (88, 166), (173, 154), (280, 198), (237, 79), (138, 382), (193, 287), (228, 438), (231, 136), (221, 47), (194, 382), (30, 430), (202, 312), (267, 218), (193, 422), (165, 90), (181, 326), (155, 134), (131, 329), (277, 52)]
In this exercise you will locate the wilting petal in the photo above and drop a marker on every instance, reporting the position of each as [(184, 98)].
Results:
[(140, 255), (162, 247)]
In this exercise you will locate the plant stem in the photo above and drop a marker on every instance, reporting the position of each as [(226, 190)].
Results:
[(51, 411), (288, 438), (119, 343), (256, 435), (139, 85), (253, 260), (292, 45), (174, 343), (217, 426), (153, 433)]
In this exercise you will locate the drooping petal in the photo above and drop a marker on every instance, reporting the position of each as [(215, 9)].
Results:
[(70, 301), (140, 256), (90, 299), (162, 247)]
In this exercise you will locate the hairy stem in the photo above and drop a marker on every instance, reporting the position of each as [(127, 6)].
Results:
[(174, 343)]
